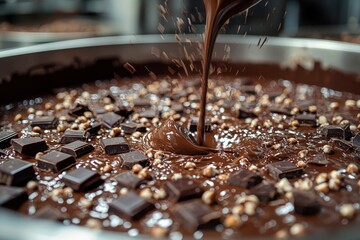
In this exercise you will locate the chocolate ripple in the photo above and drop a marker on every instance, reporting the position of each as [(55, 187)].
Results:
[(171, 137)]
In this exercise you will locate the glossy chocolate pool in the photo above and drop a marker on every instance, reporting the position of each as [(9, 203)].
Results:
[(236, 141)]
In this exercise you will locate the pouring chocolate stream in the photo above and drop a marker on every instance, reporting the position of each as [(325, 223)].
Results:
[(170, 136), (217, 13)]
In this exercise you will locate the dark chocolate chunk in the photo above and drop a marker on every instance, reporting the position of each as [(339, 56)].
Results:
[(111, 119), (284, 169), (135, 157), (280, 110), (78, 110), (94, 128), (340, 132), (244, 113), (5, 138), (356, 141), (74, 135), (49, 213), (129, 180), (194, 123), (304, 105), (77, 148), (244, 178), (29, 146), (48, 122), (149, 114), (319, 159), (55, 161), (82, 179), (142, 102), (195, 214), (264, 192), (115, 145), (342, 144), (130, 206), (249, 89), (15, 172), (124, 111), (183, 189), (131, 127), (307, 120), (12, 197), (305, 202)]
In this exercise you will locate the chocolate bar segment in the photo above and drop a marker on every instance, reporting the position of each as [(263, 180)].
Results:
[(70, 136), (49, 213), (183, 189), (48, 122), (111, 119), (129, 180), (55, 161), (265, 192), (131, 127), (245, 113), (130, 206), (78, 110), (307, 120), (16, 172), (29, 146), (115, 145), (77, 148), (5, 138), (134, 157), (342, 144), (284, 169), (340, 132), (319, 159), (305, 202), (244, 178), (82, 179), (356, 141), (12, 197), (195, 214), (94, 128)]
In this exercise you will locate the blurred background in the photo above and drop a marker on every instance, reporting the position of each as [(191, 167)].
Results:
[(26, 22)]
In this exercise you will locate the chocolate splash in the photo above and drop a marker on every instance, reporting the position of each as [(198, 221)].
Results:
[(171, 137)]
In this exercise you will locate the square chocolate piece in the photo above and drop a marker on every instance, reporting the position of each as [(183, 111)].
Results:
[(195, 214), (111, 119), (77, 148), (29, 146), (115, 145), (82, 179), (12, 197), (94, 128), (340, 132), (183, 189), (244, 178), (307, 120), (48, 122), (55, 161), (129, 180), (130, 206), (245, 113), (134, 157), (264, 192), (70, 136), (49, 213), (78, 110), (16, 172), (284, 169), (131, 127), (305, 202), (5, 138)]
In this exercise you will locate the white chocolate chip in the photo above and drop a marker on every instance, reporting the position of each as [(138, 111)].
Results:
[(327, 149), (190, 165)]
